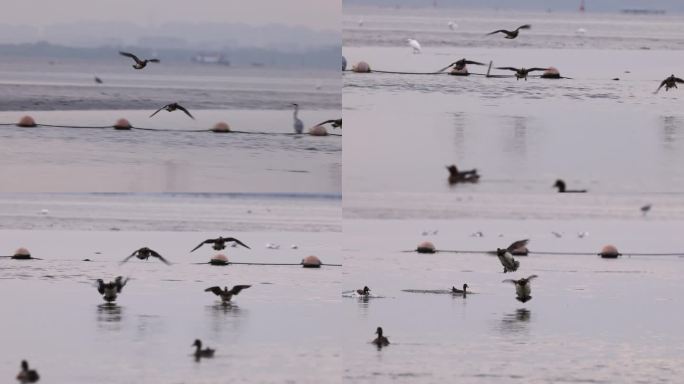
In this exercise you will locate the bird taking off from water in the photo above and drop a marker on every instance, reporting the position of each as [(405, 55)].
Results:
[(139, 64), (220, 243), (111, 290), (522, 288), (414, 44), (670, 82), (225, 294), (511, 34), (144, 253), (172, 107), (521, 73)]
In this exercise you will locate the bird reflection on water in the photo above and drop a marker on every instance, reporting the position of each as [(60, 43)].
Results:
[(109, 316), (516, 322)]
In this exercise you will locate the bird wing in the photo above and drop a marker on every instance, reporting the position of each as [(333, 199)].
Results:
[(132, 56), (217, 290), (510, 281), (508, 68), (208, 241), (472, 62), (326, 122), (536, 69), (526, 26), (184, 110), (157, 255), (157, 111), (100, 286), (531, 277), (154, 61), (120, 283), (337, 123), (497, 31), (236, 289), (132, 254), (237, 241), (517, 244), (678, 80)]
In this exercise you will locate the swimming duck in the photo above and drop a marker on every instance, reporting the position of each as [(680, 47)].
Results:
[(139, 64), (670, 82), (220, 243), (460, 291), (27, 375), (560, 184), (521, 73), (144, 253), (522, 288), (509, 263), (199, 352), (456, 176), (298, 123), (511, 34), (224, 293), (172, 107), (336, 123), (380, 341), (363, 292), (111, 289)]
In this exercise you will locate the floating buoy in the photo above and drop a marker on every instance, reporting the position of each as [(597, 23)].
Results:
[(609, 252), (318, 130), (122, 124), (311, 262), (22, 254), (219, 259), (459, 72), (551, 73), (26, 121), (426, 247), (221, 127), (361, 67)]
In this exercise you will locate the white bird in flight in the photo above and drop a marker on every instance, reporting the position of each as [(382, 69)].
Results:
[(414, 44)]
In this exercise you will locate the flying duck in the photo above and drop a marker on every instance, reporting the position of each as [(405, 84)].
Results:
[(460, 291), (380, 341), (522, 288), (670, 82), (336, 123), (298, 123), (111, 289), (144, 253), (172, 107), (456, 176), (509, 263), (225, 294), (363, 292), (521, 73), (511, 34), (27, 375), (560, 184), (139, 64), (459, 67), (220, 243), (199, 352)]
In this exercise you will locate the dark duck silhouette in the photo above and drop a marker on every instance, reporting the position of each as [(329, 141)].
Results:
[(521, 73), (139, 64), (380, 341), (363, 292), (459, 67), (522, 288), (199, 352), (144, 253), (27, 375), (463, 291), (506, 257), (670, 82), (456, 176), (511, 34), (226, 294), (112, 289), (336, 123), (220, 243), (560, 184), (172, 107)]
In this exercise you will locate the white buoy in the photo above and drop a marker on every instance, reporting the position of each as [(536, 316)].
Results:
[(609, 252), (361, 67), (311, 262)]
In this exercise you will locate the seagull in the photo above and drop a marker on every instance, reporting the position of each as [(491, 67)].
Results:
[(511, 34), (380, 341), (336, 123), (645, 209), (172, 107), (139, 64), (522, 288), (363, 292), (199, 352), (27, 375), (452, 25), (220, 243), (506, 258), (670, 82), (560, 184), (298, 124), (414, 44), (111, 289), (521, 73), (224, 293), (144, 253)]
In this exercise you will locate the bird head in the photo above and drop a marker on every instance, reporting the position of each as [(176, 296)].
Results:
[(465, 286), (24, 365), (197, 343), (379, 331), (366, 289)]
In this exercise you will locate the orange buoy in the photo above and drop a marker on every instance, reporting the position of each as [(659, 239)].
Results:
[(551, 73), (219, 259), (361, 67), (311, 262), (426, 247), (26, 121), (221, 127), (609, 252), (122, 124), (22, 254), (318, 130)]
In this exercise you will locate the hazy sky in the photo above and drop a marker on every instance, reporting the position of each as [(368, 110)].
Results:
[(317, 14)]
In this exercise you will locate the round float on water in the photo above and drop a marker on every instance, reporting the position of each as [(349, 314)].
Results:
[(551, 73), (426, 247), (26, 121), (318, 130), (609, 252), (22, 254), (459, 72), (311, 262), (122, 124), (221, 127), (361, 67), (219, 259)]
